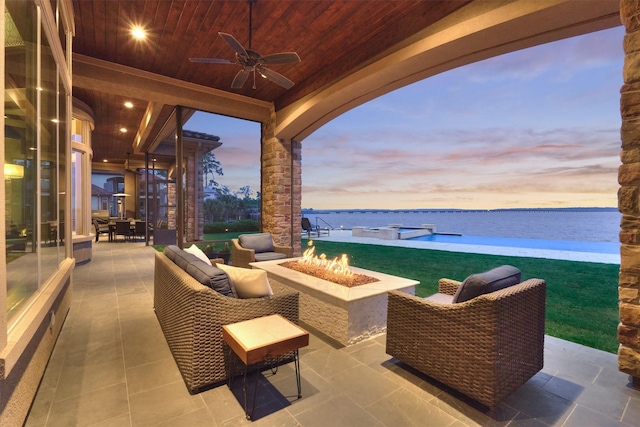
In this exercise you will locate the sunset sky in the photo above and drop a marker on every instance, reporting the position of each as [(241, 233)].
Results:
[(534, 128)]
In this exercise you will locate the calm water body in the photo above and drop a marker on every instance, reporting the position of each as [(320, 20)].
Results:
[(559, 225)]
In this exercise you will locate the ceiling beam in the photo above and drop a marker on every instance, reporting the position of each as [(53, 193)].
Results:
[(108, 77)]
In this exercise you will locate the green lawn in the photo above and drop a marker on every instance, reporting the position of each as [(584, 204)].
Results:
[(582, 297)]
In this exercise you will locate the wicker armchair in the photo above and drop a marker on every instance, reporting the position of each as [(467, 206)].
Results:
[(485, 348), (191, 316), (242, 256)]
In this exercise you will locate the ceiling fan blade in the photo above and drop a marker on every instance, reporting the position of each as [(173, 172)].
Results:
[(281, 58), (240, 78), (277, 78), (234, 44), (212, 60)]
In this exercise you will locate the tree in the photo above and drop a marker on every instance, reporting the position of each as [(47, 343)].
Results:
[(211, 166), (245, 192)]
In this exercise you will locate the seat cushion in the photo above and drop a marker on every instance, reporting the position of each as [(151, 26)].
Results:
[(248, 283), (211, 277), (489, 281), (269, 256), (259, 242)]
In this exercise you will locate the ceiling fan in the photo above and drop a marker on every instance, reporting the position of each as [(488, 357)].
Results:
[(253, 62)]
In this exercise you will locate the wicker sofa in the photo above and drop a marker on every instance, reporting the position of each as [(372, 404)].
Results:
[(485, 347), (257, 247), (191, 316)]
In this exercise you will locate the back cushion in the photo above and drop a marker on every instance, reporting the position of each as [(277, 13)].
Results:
[(489, 281), (259, 242), (212, 277), (179, 257)]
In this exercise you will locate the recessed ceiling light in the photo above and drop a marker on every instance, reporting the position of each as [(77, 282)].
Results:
[(138, 32), (55, 120), (105, 160), (128, 104), (123, 130)]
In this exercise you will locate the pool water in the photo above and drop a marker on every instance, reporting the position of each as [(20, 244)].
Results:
[(558, 245)]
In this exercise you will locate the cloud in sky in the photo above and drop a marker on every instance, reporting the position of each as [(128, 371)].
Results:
[(533, 128)]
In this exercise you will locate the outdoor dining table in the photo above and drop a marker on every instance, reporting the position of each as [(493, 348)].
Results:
[(112, 227)]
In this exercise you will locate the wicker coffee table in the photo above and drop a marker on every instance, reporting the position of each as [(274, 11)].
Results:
[(262, 339)]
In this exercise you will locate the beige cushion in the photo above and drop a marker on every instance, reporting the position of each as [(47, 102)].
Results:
[(193, 249), (246, 282)]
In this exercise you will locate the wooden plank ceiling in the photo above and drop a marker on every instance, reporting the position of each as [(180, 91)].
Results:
[(332, 38)]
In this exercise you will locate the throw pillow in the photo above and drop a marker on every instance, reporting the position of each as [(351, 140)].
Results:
[(246, 282), (489, 281), (259, 242), (193, 249)]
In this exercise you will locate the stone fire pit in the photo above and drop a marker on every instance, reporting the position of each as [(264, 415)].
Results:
[(348, 315)]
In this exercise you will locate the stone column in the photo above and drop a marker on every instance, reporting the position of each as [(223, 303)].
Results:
[(629, 197), (280, 187)]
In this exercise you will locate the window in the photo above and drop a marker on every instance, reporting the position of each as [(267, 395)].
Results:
[(35, 124)]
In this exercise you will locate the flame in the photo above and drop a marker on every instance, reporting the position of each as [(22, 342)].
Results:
[(338, 266)]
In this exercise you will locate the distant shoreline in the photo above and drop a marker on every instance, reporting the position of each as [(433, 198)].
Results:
[(441, 210)]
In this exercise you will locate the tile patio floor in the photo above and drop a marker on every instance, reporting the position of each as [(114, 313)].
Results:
[(112, 367)]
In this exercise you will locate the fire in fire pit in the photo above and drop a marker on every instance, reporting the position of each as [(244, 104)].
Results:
[(335, 270)]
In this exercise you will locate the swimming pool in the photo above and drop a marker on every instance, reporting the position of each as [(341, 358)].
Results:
[(559, 245)]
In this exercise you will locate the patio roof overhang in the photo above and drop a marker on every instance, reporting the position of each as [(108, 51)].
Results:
[(351, 52)]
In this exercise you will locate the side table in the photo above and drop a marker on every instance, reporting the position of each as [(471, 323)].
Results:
[(264, 338)]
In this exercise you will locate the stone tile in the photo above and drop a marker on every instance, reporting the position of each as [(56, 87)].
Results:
[(585, 417), (315, 390), (90, 408), (222, 404), (157, 405), (410, 379), (592, 397), (94, 353), (145, 377), (267, 398), (364, 385), (470, 412), (597, 357), (340, 411), (143, 340), (200, 417), (564, 388), (632, 412), (540, 404), (573, 369), (315, 344), (131, 306), (616, 381), (280, 418), (121, 421), (403, 408), (81, 379), (39, 412), (370, 353), (328, 362)]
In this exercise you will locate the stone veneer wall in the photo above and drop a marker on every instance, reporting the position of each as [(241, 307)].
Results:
[(194, 196), (629, 197), (281, 187)]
